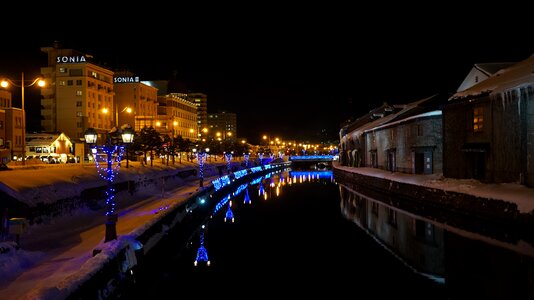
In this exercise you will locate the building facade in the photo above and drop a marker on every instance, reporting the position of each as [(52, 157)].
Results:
[(489, 128), (5, 102), (409, 145), (49, 147), (177, 116), (201, 101), (5, 152), (136, 102), (223, 125), (351, 139), (5, 99), (14, 132), (80, 94), (399, 138)]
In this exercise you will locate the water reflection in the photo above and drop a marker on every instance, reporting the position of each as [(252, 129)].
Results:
[(274, 183), (470, 264), (202, 253)]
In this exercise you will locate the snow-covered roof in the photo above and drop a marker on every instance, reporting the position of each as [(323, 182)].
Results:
[(423, 115), (42, 139), (512, 77), (388, 118), (492, 68)]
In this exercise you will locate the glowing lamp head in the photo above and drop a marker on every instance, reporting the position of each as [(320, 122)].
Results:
[(127, 135), (90, 136)]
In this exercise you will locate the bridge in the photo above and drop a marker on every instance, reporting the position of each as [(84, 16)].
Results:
[(320, 161)]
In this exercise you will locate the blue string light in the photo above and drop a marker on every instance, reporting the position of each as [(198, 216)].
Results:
[(240, 174), (201, 165), (221, 203), (240, 189), (202, 253), (319, 174), (101, 162), (247, 197), (221, 182), (229, 214), (256, 180), (262, 190), (255, 169), (246, 157), (312, 157), (228, 157), (108, 172)]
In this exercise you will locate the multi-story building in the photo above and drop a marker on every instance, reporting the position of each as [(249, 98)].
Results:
[(5, 102), (5, 99), (11, 129), (177, 116), (136, 103), (223, 125), (201, 102), (79, 96), (14, 132), (5, 154)]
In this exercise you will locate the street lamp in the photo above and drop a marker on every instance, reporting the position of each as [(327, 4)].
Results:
[(127, 109), (201, 159), (108, 173), (5, 83), (127, 137), (228, 156)]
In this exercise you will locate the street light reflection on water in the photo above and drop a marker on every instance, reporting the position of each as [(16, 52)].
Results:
[(275, 182), (298, 233)]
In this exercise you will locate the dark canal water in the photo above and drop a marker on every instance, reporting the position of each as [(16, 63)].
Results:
[(300, 234)]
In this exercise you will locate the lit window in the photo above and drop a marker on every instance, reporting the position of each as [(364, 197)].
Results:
[(78, 93), (62, 82), (62, 70), (478, 119)]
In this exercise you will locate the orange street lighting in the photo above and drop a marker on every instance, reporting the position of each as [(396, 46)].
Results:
[(5, 82)]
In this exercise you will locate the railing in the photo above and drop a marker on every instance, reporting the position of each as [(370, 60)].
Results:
[(312, 158)]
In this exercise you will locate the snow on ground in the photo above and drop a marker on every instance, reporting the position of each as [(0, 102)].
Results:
[(56, 257), (36, 184), (510, 192)]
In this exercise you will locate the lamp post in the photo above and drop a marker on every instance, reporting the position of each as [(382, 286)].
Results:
[(5, 83), (127, 137), (126, 109), (108, 174), (228, 156), (201, 159)]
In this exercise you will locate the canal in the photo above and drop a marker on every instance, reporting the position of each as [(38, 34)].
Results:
[(301, 234)]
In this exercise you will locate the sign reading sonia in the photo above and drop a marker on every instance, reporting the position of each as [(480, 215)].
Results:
[(70, 59), (126, 79)]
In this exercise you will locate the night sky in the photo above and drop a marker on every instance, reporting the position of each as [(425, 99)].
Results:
[(290, 74)]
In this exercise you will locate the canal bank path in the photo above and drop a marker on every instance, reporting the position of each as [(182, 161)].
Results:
[(52, 256)]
